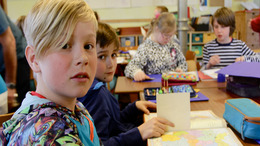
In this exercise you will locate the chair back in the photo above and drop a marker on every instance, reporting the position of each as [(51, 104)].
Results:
[(191, 60), (190, 55), (192, 66), (5, 117)]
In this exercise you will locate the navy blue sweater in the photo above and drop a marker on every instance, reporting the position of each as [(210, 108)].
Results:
[(113, 126)]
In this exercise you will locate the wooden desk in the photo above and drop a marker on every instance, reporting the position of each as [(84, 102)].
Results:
[(126, 85), (216, 103)]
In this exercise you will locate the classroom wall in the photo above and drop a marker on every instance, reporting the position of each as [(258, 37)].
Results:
[(17, 8)]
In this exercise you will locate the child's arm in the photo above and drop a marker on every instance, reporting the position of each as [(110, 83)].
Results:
[(144, 105), (208, 61), (154, 127), (254, 58), (139, 75), (181, 61), (137, 63), (246, 51), (214, 60), (130, 137), (240, 59)]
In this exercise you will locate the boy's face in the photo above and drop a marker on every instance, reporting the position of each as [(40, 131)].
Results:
[(106, 62), (69, 71), (221, 32)]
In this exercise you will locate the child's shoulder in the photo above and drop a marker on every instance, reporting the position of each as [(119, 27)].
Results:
[(212, 42), (42, 112), (47, 122), (44, 122), (234, 40)]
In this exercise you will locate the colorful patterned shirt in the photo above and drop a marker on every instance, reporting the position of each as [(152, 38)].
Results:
[(46, 123)]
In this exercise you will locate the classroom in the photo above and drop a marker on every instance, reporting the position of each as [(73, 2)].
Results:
[(187, 63)]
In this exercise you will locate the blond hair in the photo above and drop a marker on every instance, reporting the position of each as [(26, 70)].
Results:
[(165, 22), (162, 9), (51, 23)]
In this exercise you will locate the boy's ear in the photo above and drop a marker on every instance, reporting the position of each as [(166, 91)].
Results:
[(31, 59)]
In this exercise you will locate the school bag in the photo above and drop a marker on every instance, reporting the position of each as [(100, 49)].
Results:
[(243, 115)]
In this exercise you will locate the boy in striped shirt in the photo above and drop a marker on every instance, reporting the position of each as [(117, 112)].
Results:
[(224, 50)]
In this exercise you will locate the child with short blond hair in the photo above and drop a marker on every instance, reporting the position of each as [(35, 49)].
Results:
[(61, 36), (116, 127)]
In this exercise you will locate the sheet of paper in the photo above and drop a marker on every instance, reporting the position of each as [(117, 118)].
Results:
[(199, 119), (174, 107), (206, 119), (211, 72)]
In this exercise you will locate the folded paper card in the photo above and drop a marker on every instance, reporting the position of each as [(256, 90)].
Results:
[(175, 107)]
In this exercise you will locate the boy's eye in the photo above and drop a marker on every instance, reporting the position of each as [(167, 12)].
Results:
[(114, 55), (89, 46), (102, 57), (66, 46)]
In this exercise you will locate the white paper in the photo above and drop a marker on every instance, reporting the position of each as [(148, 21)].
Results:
[(174, 107), (211, 72), (201, 119)]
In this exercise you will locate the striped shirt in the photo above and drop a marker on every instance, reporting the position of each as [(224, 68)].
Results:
[(254, 58), (226, 52)]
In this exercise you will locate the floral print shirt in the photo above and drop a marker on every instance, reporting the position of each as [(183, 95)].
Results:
[(153, 58)]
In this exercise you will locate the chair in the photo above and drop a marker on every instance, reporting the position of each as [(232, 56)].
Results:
[(5, 117), (192, 66), (190, 55), (191, 60)]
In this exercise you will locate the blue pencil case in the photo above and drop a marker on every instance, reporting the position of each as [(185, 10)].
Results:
[(243, 115)]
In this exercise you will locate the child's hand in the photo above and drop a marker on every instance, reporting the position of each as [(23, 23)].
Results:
[(144, 105), (178, 70), (240, 59), (154, 127), (140, 76), (213, 61)]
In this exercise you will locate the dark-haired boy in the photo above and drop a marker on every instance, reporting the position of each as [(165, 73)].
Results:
[(224, 50)]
